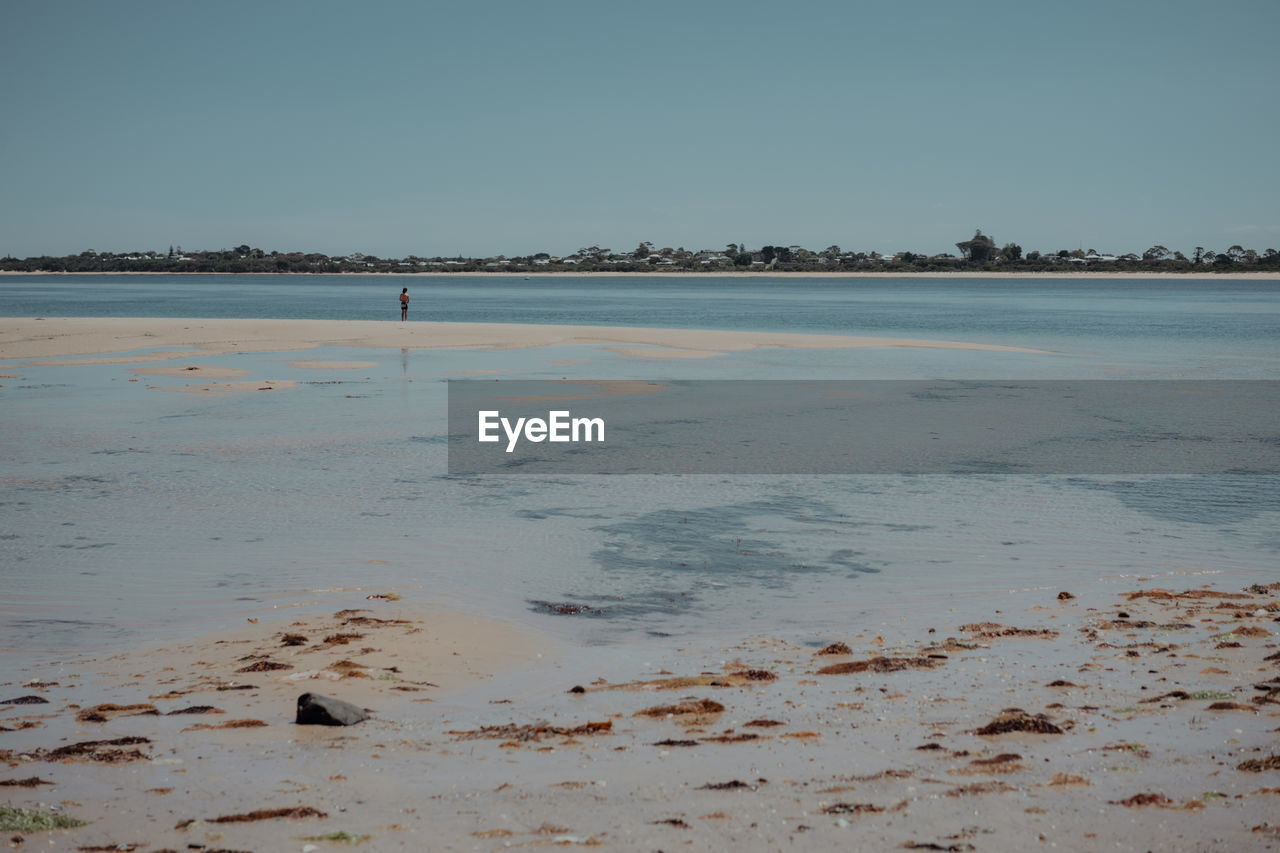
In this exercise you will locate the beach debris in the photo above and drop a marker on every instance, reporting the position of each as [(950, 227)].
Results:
[(373, 621), (1230, 706), (26, 700), (694, 711), (195, 709), (534, 731), (1257, 765), (994, 630), (349, 669), (29, 782), (265, 666), (1067, 780), (835, 649), (565, 609), (293, 640), (1167, 595), (732, 785), (102, 713), (757, 675), (317, 710), (577, 688), (292, 812), (852, 808), (1019, 721), (341, 836), (731, 737), (764, 724), (1007, 762), (104, 751), (31, 820), (1065, 596), (1140, 800), (929, 845), (881, 664), (978, 788), (341, 639), (1061, 683), (672, 821), (670, 742), (384, 596), (229, 724)]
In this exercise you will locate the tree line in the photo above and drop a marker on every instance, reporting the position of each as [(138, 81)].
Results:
[(979, 253)]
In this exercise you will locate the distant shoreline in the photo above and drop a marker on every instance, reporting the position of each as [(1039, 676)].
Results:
[(1231, 276)]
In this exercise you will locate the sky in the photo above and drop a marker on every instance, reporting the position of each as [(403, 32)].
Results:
[(398, 127)]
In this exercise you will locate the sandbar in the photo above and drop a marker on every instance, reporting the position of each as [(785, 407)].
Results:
[(38, 339)]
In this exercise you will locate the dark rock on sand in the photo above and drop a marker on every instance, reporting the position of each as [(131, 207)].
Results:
[(317, 710), (26, 700)]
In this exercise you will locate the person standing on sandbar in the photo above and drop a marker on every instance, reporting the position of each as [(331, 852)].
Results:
[(404, 304)]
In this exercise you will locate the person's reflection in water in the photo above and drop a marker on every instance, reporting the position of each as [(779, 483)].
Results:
[(404, 360)]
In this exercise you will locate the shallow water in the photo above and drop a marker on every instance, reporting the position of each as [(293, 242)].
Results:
[(135, 514), (1148, 321)]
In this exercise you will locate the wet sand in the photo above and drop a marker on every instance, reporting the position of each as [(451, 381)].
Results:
[(1130, 717), (101, 340)]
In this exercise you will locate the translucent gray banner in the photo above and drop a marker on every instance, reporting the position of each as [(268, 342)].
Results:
[(864, 427)]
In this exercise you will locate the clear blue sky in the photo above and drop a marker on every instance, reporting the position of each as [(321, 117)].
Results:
[(470, 128)]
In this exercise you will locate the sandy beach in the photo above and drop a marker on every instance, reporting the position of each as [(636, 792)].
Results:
[(1133, 718), (1137, 712)]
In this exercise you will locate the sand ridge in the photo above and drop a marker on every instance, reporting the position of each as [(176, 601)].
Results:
[(36, 339)]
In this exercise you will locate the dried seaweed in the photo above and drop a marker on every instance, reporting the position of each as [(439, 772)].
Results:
[(880, 664), (264, 666), (104, 712), (1257, 765), (195, 709), (697, 707), (29, 782), (1019, 722), (852, 808), (1140, 800), (104, 751), (835, 649), (293, 812), (533, 732)]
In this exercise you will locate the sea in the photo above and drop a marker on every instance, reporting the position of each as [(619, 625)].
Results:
[(130, 515)]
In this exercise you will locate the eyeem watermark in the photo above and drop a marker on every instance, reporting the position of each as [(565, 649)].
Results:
[(559, 426), (898, 427)]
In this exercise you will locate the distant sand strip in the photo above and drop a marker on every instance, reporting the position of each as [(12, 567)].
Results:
[(30, 338)]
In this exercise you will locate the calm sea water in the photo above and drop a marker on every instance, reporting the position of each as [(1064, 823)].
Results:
[(130, 513), (997, 309)]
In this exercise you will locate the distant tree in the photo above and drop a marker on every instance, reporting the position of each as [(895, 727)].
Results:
[(243, 250), (732, 250), (742, 259), (768, 253), (1033, 256), (980, 249), (643, 250), (1012, 252), (1156, 253), (832, 251), (1064, 254), (1198, 257)]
